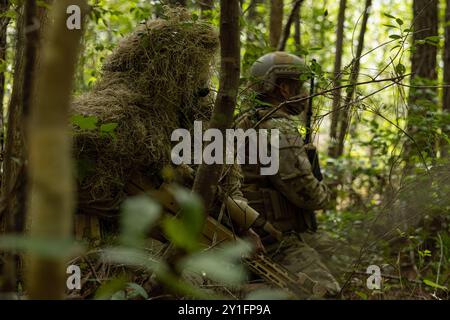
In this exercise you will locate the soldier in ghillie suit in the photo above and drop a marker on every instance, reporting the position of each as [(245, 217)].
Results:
[(154, 82), (288, 198)]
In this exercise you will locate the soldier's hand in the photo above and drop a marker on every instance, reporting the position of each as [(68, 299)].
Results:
[(255, 239)]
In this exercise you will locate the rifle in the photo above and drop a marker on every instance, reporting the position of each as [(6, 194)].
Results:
[(312, 153), (299, 285)]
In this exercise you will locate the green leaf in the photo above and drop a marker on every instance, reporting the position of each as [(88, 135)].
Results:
[(433, 38), (400, 69), (9, 14), (141, 259), (395, 36), (44, 247), (139, 214), (390, 26), (85, 122), (434, 284), (399, 21), (119, 295), (179, 235), (191, 209), (221, 264), (134, 290), (362, 295), (110, 288), (3, 66), (304, 76), (316, 68), (389, 16), (108, 127)]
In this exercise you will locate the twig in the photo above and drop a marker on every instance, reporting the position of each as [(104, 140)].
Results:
[(287, 28), (303, 98)]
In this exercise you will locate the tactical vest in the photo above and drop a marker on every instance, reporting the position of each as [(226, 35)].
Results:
[(263, 196), (272, 204)]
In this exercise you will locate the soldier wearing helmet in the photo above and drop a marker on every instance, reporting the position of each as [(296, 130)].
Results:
[(288, 198)]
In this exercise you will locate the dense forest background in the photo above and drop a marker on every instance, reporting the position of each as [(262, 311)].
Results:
[(381, 121)]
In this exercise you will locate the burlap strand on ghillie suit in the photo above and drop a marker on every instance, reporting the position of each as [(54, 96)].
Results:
[(149, 87)]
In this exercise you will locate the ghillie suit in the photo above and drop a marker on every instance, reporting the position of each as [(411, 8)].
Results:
[(153, 83)]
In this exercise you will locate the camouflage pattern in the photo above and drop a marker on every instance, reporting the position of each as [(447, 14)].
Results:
[(297, 256), (299, 192), (295, 179)]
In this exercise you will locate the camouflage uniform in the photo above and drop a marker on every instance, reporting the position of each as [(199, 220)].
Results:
[(287, 200)]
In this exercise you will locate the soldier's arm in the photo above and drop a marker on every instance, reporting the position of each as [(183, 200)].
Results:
[(295, 178)]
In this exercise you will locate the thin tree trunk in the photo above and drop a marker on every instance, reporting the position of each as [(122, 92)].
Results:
[(207, 176), (345, 118), (423, 69), (297, 32), (51, 198), (251, 19), (30, 24), (4, 21), (287, 28), (276, 22), (332, 150), (31, 34), (11, 178), (252, 9), (446, 94)]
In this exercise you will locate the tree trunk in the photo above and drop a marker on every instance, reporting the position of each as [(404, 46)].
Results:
[(346, 115), (207, 176), (4, 21), (276, 22), (51, 198), (423, 69), (13, 160), (446, 92), (335, 112), (297, 32), (287, 28), (29, 27), (252, 9), (251, 19)]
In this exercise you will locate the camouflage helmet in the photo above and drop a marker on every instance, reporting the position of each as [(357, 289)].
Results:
[(272, 66)]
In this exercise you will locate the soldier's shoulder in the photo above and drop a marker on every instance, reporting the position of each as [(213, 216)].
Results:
[(285, 125)]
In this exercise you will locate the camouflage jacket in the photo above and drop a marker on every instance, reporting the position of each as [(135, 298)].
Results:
[(294, 188)]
